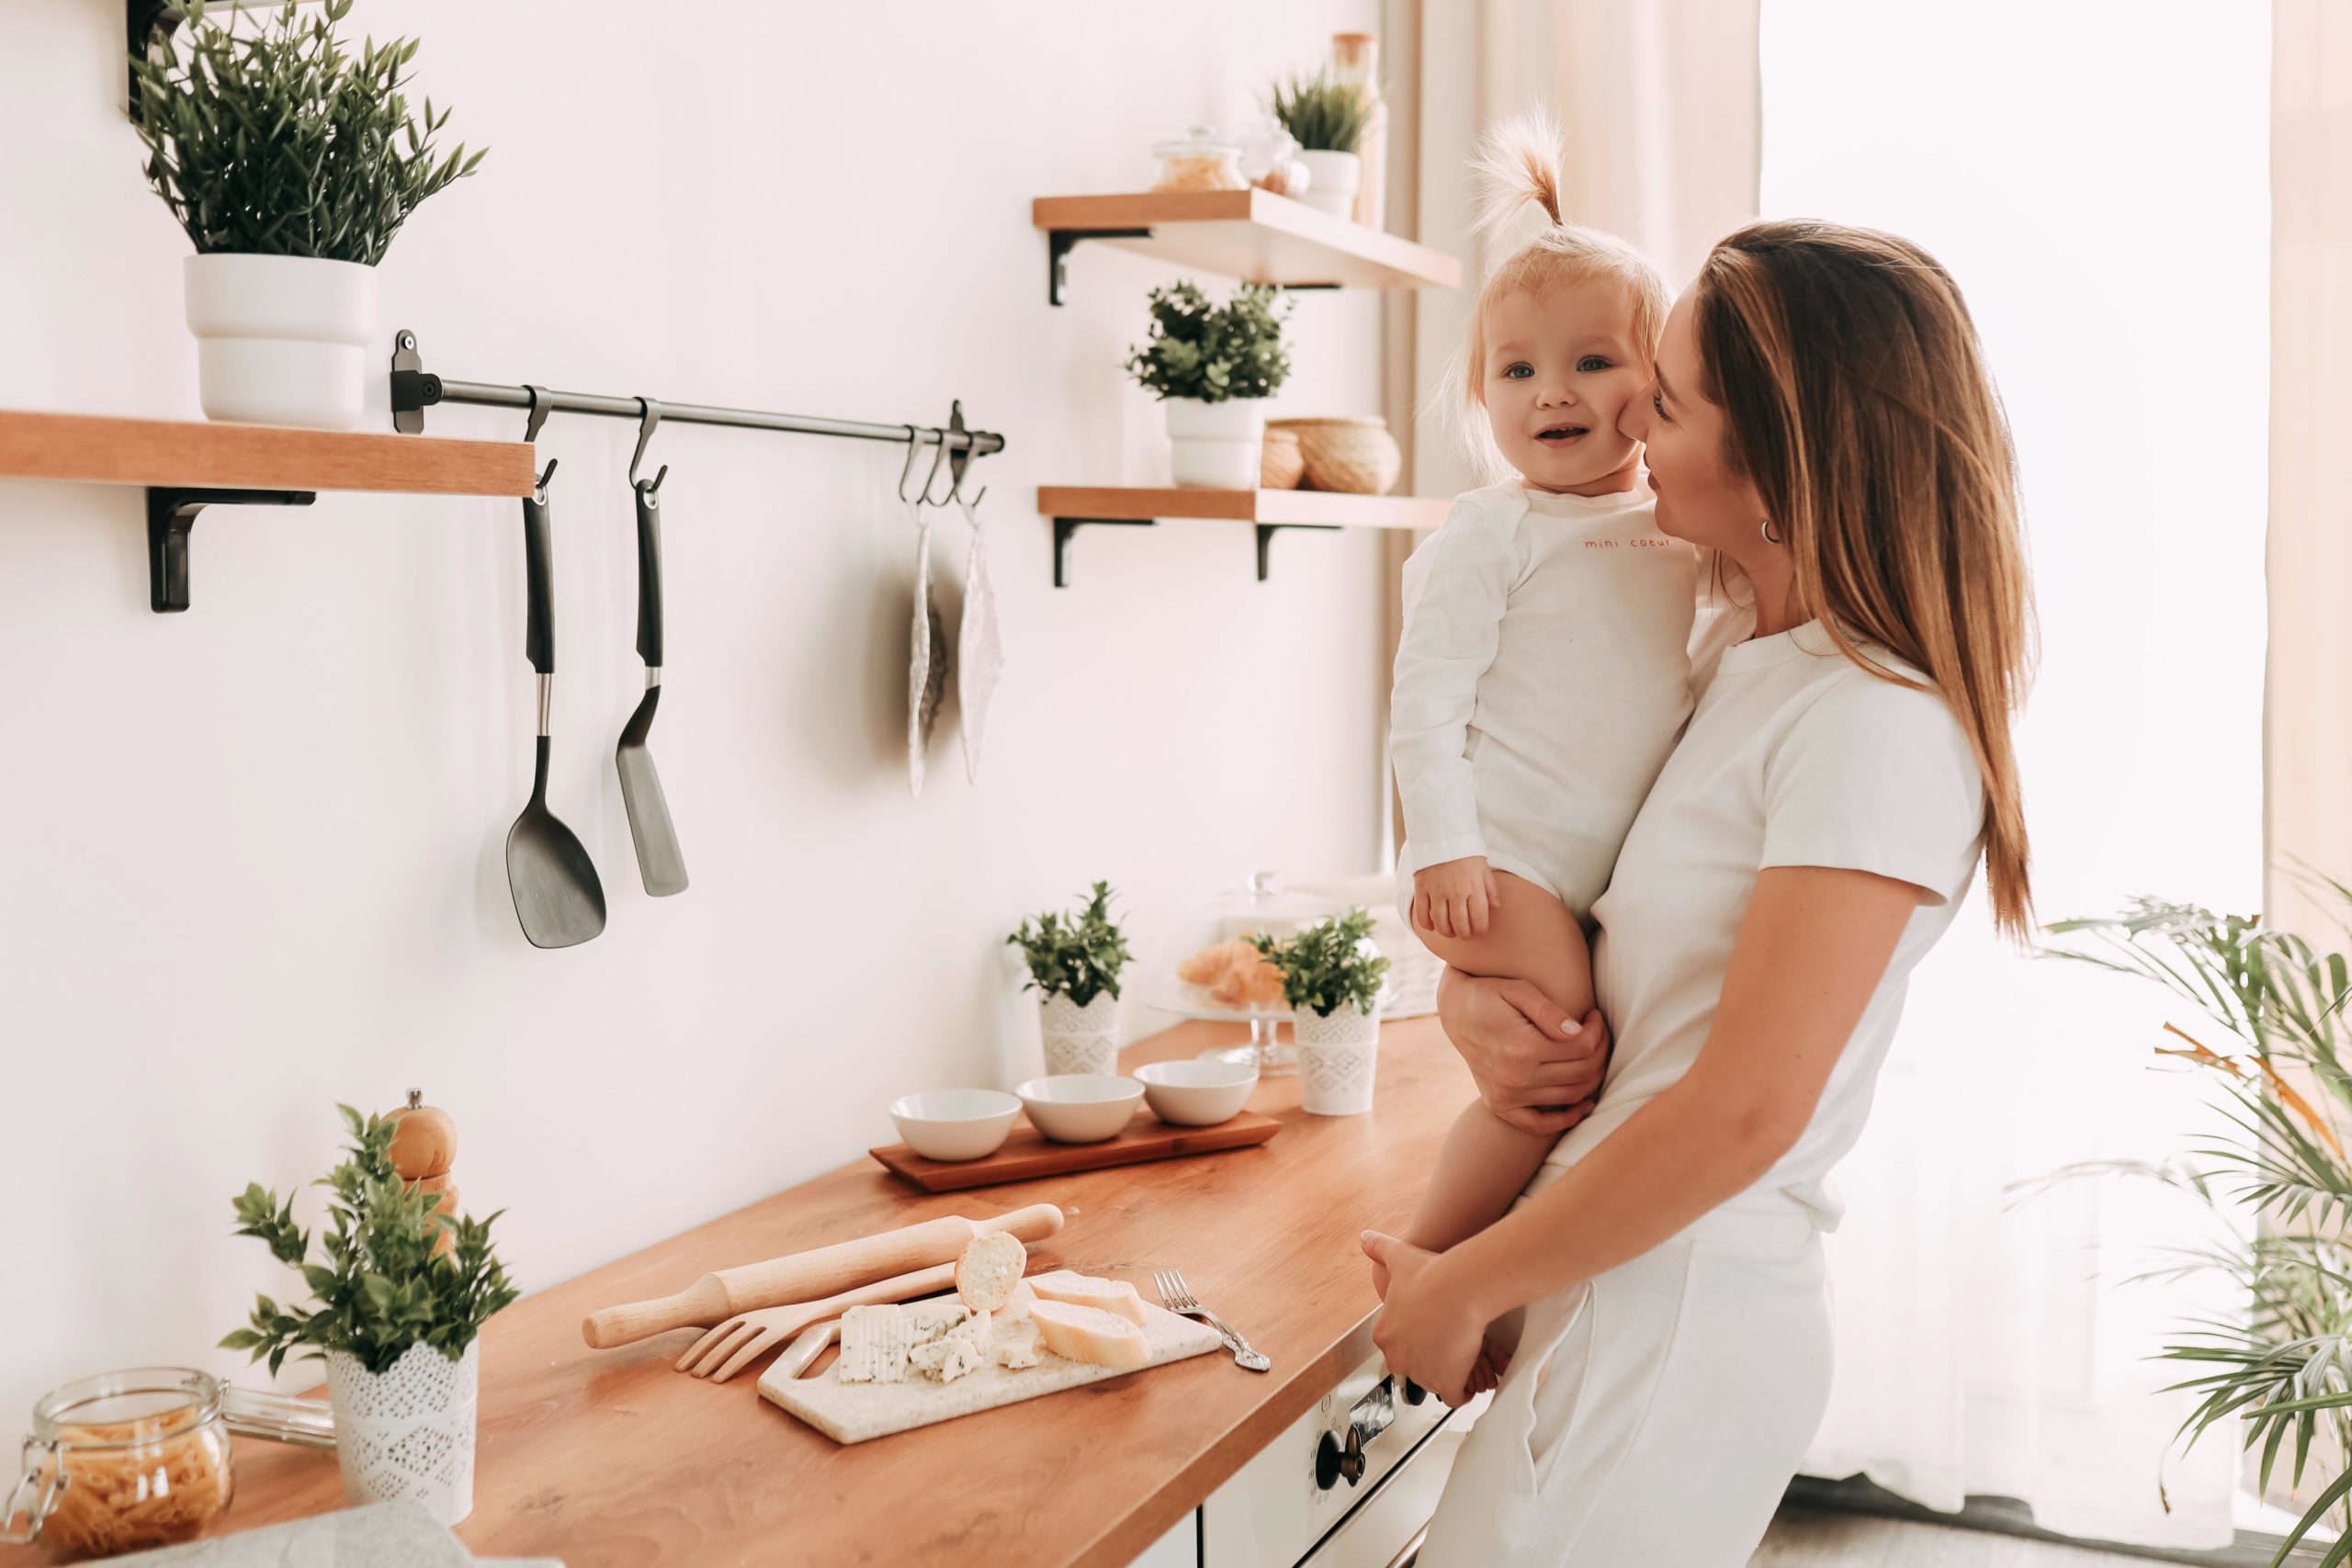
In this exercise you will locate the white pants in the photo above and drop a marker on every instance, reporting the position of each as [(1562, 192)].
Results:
[(1652, 1418)]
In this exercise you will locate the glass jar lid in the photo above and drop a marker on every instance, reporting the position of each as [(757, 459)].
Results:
[(1198, 142), (127, 1409)]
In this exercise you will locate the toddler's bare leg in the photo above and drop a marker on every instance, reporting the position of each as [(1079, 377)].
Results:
[(1532, 937), (1486, 1160)]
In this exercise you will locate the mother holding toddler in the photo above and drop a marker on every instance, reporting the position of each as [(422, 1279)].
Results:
[(1748, 716)]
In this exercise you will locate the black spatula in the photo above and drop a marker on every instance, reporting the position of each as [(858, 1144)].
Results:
[(658, 860), (557, 896)]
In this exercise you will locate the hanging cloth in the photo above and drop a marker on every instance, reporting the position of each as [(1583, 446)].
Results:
[(980, 651)]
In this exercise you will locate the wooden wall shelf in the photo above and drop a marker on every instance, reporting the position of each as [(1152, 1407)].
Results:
[(1253, 235), (186, 466), (89, 449), (1073, 507)]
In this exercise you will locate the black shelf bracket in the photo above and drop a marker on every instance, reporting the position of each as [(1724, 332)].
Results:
[(1058, 244), (170, 512), (1266, 532), (142, 20), (1065, 526)]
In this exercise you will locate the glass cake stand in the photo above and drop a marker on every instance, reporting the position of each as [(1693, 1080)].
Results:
[(1272, 1057)]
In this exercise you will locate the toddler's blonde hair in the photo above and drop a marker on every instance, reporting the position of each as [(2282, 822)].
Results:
[(1519, 163)]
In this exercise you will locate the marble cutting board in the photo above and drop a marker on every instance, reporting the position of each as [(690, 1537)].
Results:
[(856, 1411)]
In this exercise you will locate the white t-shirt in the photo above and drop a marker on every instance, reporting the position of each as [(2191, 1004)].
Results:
[(1541, 680), (1795, 756)]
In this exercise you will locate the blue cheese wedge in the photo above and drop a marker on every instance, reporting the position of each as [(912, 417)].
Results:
[(876, 1345), (952, 1342), (1018, 1350)]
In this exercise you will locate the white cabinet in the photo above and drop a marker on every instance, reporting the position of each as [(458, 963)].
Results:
[(1180, 1547)]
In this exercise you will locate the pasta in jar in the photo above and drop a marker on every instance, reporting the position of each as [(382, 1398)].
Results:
[(124, 1462)]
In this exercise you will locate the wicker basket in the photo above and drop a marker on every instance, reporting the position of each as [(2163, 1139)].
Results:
[(1282, 465), (1357, 456)]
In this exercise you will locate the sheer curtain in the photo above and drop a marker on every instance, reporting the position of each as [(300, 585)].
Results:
[(2093, 175)]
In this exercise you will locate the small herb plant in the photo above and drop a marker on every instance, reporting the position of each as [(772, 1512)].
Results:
[(1330, 964), (1325, 112), (1213, 352), (382, 1289), (283, 142), (1077, 956)]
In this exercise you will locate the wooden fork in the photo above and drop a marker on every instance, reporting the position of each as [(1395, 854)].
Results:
[(745, 1338)]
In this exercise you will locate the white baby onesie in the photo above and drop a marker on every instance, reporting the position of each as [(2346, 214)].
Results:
[(1544, 675)]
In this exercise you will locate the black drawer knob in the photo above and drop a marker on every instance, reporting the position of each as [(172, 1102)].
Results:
[(1332, 1461), (1414, 1392)]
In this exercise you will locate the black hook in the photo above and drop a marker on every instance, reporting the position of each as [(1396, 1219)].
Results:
[(926, 497), (545, 475), (909, 465), (542, 405), (648, 416), (960, 455)]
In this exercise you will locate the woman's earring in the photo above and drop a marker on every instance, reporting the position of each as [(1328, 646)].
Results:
[(1770, 536)]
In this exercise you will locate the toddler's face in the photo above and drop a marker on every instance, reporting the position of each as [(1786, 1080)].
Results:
[(1561, 368)]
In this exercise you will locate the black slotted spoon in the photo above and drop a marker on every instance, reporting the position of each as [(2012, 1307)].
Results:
[(557, 896)]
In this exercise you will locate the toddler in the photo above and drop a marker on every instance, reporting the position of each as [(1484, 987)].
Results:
[(1543, 674)]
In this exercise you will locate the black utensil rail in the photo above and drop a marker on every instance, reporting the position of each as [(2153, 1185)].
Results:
[(415, 388)]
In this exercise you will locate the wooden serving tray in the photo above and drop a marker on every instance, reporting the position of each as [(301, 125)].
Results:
[(1028, 1153)]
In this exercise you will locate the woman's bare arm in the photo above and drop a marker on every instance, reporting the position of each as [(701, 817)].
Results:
[(1812, 949)]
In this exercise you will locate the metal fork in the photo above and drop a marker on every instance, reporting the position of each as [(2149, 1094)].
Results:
[(1177, 1297)]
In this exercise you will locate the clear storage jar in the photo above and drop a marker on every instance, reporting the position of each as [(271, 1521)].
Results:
[(140, 1458), (123, 1461), (1198, 160)]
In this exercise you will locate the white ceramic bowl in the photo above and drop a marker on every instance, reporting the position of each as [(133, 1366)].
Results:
[(956, 1123), (1197, 1094), (1079, 1108)]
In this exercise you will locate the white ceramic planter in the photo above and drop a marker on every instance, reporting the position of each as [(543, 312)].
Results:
[(281, 340), (1081, 1039), (408, 1431), (1216, 445), (1337, 1057), (1332, 179)]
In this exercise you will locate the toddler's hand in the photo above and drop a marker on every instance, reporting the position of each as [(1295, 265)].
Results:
[(1454, 897)]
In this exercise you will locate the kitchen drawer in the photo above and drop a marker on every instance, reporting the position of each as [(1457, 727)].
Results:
[(1276, 1512)]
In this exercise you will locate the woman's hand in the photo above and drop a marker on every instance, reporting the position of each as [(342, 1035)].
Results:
[(1426, 1332), (1536, 1068)]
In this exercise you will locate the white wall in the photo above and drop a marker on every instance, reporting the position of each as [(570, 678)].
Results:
[(253, 856)]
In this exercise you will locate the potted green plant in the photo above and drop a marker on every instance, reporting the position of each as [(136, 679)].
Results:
[(1326, 113), (396, 1319), (290, 162), (2277, 1009), (1331, 975), (1074, 963), (1214, 367)]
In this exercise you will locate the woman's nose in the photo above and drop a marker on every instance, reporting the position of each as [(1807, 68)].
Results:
[(1633, 424)]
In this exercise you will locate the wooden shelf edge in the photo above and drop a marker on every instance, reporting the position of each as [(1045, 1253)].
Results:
[(104, 449), (1307, 508), (1414, 264)]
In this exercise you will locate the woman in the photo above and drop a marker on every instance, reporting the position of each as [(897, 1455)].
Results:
[(1821, 420)]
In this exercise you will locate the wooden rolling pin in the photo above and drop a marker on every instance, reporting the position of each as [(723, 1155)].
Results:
[(806, 1275)]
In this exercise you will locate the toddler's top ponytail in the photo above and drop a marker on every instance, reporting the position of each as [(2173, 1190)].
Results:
[(1516, 163)]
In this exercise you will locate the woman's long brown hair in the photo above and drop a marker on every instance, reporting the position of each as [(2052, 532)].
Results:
[(1858, 403)]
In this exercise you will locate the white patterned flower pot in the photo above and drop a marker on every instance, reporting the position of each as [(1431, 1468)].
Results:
[(1331, 181), (408, 1431), (281, 340), (1336, 1058), (1216, 445), (1081, 1039)]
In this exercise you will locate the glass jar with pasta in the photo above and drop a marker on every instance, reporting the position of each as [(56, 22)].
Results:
[(122, 1462), (1199, 160)]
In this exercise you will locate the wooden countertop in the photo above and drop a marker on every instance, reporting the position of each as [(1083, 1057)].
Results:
[(609, 1459)]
